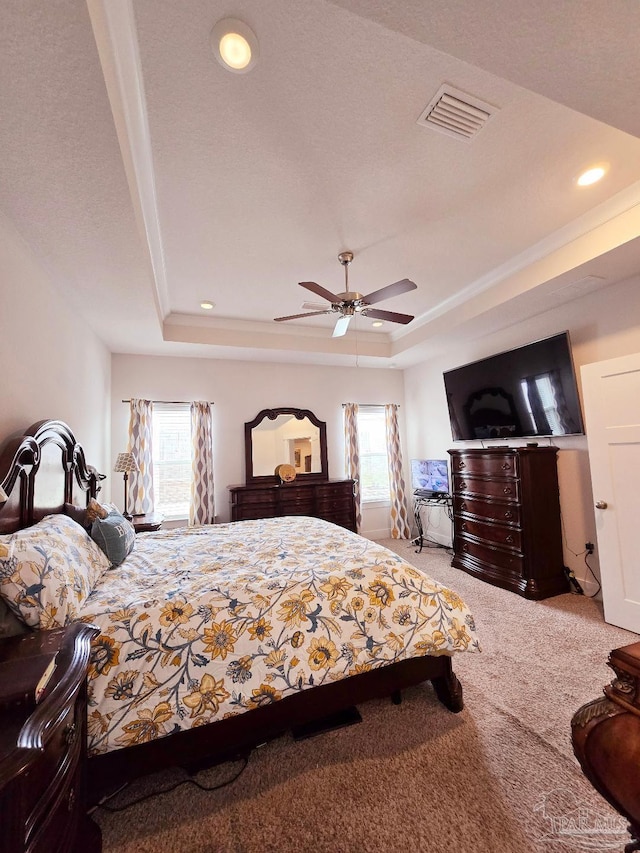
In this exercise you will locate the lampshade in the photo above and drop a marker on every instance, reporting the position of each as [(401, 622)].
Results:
[(3, 496), (125, 463)]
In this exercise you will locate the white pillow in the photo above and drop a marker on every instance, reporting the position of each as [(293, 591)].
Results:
[(48, 570)]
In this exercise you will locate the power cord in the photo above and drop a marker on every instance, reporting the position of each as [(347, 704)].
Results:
[(593, 575), (585, 553), (190, 781)]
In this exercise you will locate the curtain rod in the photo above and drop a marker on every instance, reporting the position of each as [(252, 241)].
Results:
[(174, 402), (373, 405)]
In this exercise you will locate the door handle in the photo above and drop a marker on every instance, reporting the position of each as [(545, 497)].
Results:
[(601, 504)]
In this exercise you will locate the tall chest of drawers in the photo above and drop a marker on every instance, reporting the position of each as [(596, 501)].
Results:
[(507, 527)]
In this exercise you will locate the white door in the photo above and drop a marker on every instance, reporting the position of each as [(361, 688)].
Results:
[(611, 393)]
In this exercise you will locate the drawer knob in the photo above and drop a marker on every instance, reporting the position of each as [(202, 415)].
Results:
[(601, 504), (509, 539), (463, 526), (507, 490), (465, 547), (463, 485), (508, 514), (72, 799), (463, 505), (69, 734), (461, 465), (505, 466)]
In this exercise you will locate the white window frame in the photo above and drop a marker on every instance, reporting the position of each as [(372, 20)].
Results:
[(379, 499), (164, 412)]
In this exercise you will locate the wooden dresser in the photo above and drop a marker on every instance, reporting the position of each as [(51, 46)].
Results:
[(507, 528), (43, 750), (331, 500)]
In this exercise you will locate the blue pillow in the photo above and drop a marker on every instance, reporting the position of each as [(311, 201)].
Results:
[(115, 535)]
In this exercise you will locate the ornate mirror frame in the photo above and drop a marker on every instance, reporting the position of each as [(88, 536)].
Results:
[(272, 414)]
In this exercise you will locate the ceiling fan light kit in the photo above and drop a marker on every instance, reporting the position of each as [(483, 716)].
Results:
[(349, 303)]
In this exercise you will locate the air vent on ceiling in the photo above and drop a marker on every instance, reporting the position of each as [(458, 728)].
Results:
[(455, 113)]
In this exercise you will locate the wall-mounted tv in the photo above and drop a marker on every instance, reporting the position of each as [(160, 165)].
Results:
[(527, 392)]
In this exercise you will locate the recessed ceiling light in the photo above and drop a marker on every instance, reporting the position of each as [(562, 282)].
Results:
[(591, 176), (235, 45), (377, 323), (207, 305)]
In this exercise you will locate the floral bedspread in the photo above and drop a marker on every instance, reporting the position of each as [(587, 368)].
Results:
[(204, 623)]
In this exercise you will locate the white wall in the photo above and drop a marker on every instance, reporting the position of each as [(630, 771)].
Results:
[(239, 390), (603, 324), (53, 365)]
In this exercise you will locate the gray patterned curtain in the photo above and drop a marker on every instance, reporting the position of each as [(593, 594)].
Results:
[(202, 507), (352, 454), (400, 528), (140, 444)]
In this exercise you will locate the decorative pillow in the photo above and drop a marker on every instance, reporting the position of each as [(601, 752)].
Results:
[(115, 535), (47, 571), (96, 510), (78, 514)]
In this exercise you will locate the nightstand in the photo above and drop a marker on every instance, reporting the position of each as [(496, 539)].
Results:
[(43, 750), (144, 523)]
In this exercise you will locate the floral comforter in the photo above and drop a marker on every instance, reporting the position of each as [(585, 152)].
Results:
[(203, 623)]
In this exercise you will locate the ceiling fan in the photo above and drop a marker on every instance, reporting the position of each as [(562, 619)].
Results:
[(349, 303)]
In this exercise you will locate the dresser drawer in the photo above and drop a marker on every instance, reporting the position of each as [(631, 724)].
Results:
[(58, 826), (296, 503), (508, 513), (504, 561), (257, 497), (510, 537), (508, 490), (336, 504), (58, 759), (489, 465)]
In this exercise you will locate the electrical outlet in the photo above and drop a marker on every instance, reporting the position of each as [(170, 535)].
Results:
[(589, 547)]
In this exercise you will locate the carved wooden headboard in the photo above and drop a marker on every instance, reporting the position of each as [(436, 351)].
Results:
[(41, 470)]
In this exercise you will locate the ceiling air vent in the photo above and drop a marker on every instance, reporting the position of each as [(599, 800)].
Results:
[(455, 113)]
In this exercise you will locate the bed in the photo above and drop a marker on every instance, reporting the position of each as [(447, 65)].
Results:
[(215, 639)]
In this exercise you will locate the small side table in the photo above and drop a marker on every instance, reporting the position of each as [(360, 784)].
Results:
[(145, 523), (43, 749), (419, 501)]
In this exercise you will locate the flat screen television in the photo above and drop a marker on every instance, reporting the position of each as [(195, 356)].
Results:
[(430, 477), (525, 392)]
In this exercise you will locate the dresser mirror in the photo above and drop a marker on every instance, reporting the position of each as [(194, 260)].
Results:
[(285, 436)]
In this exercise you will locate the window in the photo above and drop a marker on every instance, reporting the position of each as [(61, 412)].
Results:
[(172, 459), (541, 404), (374, 462)]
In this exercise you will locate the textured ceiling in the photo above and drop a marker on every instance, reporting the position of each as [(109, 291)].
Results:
[(146, 178)]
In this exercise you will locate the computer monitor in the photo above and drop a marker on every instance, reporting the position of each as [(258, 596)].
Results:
[(430, 476)]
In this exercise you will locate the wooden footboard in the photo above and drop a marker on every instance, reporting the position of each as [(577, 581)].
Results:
[(227, 739)]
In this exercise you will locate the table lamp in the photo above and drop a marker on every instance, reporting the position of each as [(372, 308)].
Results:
[(125, 463)]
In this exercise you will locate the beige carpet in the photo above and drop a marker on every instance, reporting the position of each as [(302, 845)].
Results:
[(500, 777)]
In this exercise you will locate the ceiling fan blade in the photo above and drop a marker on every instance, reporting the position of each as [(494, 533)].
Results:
[(319, 290), (308, 314), (341, 326), (390, 290), (392, 316)]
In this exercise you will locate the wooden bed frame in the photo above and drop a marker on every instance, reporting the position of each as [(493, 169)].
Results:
[(44, 468)]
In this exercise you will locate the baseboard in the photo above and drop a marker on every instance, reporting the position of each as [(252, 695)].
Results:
[(440, 538), (375, 535)]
